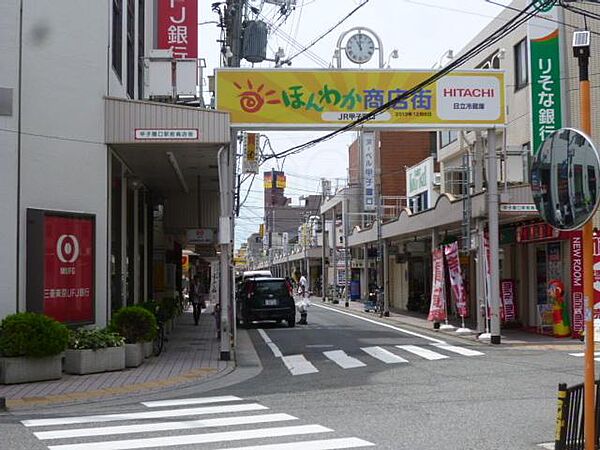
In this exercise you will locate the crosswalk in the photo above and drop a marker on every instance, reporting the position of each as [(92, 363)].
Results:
[(299, 364), (581, 355), (209, 420)]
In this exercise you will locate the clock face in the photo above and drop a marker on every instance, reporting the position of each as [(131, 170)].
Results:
[(360, 48)]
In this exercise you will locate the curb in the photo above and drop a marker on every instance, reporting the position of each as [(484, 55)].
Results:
[(195, 376)]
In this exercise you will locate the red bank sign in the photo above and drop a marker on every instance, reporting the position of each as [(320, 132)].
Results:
[(60, 265), (178, 27)]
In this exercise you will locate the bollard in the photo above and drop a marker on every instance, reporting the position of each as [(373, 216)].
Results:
[(561, 425)]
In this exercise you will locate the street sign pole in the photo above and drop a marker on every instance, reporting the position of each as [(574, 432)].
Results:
[(581, 50)]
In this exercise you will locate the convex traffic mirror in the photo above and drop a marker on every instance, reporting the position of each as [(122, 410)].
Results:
[(564, 179)]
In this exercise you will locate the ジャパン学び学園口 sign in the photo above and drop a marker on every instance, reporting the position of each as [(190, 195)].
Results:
[(329, 98)]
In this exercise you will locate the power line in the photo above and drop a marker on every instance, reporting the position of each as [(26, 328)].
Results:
[(328, 31), (507, 28)]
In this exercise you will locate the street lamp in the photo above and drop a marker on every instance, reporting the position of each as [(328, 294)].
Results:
[(393, 54), (447, 54)]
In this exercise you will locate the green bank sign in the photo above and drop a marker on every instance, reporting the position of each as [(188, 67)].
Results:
[(544, 63)]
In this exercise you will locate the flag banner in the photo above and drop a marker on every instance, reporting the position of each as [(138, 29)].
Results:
[(437, 310), (507, 297), (577, 302), (488, 275), (456, 279)]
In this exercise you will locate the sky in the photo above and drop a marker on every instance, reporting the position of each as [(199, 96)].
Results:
[(421, 30)]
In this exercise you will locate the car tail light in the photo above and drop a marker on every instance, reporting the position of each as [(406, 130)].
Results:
[(290, 287), (250, 288)]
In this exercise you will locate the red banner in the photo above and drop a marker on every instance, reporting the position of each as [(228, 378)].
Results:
[(577, 302), (596, 275), (437, 310), (178, 27), (456, 279), (69, 268), (507, 299)]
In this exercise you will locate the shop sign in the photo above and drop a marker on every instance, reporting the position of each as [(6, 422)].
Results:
[(419, 179), (537, 232), (251, 147), (280, 180), (596, 275), (185, 262), (357, 264), (368, 170), (199, 236), (437, 309), (178, 27), (507, 297), (518, 208), (456, 279), (577, 301), (329, 98), (61, 265), (166, 134), (544, 62)]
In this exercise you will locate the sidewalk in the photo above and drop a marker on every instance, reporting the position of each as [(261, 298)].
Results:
[(191, 354), (515, 337)]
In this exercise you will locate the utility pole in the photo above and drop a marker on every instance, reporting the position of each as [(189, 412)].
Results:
[(492, 189), (234, 15), (272, 221)]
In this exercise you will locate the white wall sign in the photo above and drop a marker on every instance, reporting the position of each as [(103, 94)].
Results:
[(469, 98), (200, 236), (419, 177), (166, 134), (368, 170)]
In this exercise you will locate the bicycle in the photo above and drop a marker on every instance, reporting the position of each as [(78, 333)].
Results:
[(159, 341)]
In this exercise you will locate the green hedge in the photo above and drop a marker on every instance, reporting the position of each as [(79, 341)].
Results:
[(135, 324), (94, 339), (32, 334)]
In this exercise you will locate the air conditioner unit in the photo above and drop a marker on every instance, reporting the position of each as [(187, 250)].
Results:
[(437, 179)]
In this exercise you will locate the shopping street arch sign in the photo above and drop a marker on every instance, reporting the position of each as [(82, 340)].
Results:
[(295, 99)]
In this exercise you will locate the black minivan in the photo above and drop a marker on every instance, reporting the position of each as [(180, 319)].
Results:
[(265, 298)]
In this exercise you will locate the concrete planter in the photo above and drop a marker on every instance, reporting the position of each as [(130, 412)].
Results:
[(148, 348), (134, 354), (92, 361), (24, 369)]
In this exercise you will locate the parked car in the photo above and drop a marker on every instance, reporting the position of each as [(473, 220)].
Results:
[(265, 298)]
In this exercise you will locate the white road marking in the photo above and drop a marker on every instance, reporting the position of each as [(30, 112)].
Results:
[(386, 325), (583, 354), (324, 444), (459, 350), (298, 365), (191, 401), (143, 415), (170, 441), (383, 355), (162, 426), (422, 352), (270, 343), (342, 359)]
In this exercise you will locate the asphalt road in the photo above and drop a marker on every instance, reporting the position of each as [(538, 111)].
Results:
[(338, 382)]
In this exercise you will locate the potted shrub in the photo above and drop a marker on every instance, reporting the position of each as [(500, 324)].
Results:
[(31, 347), (151, 306), (94, 350), (137, 325)]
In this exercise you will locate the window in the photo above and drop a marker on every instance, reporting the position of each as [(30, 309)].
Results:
[(454, 181), (117, 33), (521, 68), (447, 137), (130, 48), (141, 45)]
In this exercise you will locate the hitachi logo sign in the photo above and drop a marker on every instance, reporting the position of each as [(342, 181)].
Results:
[(465, 92)]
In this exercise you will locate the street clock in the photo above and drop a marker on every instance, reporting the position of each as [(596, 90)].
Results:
[(360, 48)]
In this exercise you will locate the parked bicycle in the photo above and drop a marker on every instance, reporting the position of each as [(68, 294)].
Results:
[(159, 341)]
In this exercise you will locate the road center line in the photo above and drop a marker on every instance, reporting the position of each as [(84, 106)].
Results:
[(270, 343), (402, 330)]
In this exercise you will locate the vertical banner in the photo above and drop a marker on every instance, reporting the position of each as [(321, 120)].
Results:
[(437, 310), (488, 275), (596, 275), (178, 27), (507, 297), (456, 279), (544, 62), (251, 147), (368, 170), (577, 302)]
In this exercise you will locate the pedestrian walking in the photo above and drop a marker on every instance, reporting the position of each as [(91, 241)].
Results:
[(303, 302), (196, 297)]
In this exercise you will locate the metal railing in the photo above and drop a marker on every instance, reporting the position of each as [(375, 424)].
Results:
[(569, 417)]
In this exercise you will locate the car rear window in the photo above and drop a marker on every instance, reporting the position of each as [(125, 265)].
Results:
[(276, 287)]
